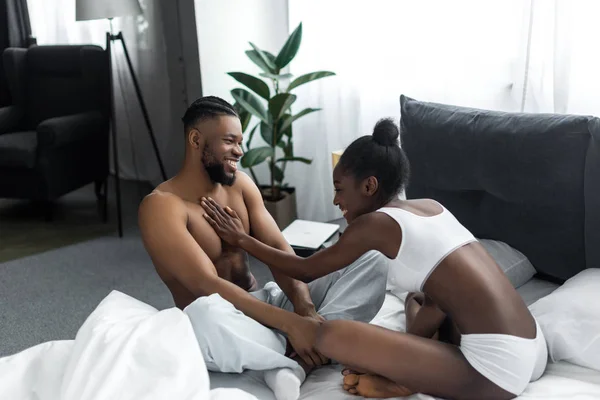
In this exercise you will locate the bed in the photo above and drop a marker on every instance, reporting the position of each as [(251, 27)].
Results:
[(531, 181)]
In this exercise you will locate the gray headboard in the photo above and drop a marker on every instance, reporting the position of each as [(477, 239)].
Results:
[(529, 180)]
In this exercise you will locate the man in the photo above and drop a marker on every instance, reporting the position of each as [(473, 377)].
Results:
[(212, 282)]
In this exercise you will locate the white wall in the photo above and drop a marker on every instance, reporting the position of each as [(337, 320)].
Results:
[(224, 29)]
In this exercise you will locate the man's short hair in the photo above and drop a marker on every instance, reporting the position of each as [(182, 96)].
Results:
[(206, 107)]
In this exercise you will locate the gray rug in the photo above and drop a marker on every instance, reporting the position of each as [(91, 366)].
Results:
[(48, 296)]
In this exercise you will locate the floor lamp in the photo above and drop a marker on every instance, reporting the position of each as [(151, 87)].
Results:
[(108, 9)]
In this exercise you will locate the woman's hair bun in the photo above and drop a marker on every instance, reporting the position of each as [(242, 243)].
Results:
[(386, 132)]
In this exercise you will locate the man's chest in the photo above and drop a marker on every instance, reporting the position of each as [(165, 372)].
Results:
[(203, 233)]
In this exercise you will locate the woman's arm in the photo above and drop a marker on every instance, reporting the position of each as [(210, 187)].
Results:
[(423, 317), (358, 238)]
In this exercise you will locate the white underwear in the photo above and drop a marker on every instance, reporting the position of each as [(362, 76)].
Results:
[(508, 361)]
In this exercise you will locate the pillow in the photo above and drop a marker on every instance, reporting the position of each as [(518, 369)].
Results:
[(515, 265), (570, 320)]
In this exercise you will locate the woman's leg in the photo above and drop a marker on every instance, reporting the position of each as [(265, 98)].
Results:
[(413, 304), (412, 362)]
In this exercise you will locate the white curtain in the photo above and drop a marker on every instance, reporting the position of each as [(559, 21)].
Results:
[(509, 55), (53, 22), (464, 52), (561, 66)]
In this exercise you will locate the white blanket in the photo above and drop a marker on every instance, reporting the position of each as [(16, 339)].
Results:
[(126, 349)]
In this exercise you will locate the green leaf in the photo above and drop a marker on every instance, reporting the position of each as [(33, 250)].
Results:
[(250, 103), (290, 48), (289, 149), (256, 156), (266, 131), (284, 123), (277, 77), (301, 159), (250, 136), (266, 59), (277, 173), (256, 59), (288, 121), (245, 118), (258, 86), (244, 115), (301, 80), (280, 103)]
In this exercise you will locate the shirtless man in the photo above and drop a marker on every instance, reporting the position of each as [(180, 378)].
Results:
[(212, 282)]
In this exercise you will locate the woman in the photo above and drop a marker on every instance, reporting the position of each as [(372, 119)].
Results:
[(501, 347)]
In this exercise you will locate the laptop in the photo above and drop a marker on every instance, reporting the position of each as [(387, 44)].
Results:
[(309, 236)]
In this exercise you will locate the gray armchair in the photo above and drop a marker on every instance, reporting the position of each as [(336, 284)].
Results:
[(54, 137)]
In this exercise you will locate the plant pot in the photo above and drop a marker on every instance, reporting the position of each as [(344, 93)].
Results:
[(283, 211)]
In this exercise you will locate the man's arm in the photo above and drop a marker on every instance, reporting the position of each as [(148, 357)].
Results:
[(264, 229), (163, 224)]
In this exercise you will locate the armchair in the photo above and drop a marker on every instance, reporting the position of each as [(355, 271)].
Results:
[(54, 137)]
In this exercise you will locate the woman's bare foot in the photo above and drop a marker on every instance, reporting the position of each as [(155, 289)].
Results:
[(374, 386), (353, 371)]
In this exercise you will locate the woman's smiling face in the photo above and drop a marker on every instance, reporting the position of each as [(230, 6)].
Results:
[(349, 196)]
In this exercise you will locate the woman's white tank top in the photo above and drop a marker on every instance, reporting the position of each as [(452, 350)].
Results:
[(426, 241)]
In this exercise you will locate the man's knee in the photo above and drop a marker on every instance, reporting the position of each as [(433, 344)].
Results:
[(208, 311), (371, 267), (373, 262)]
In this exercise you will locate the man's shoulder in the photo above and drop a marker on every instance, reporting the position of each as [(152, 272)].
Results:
[(159, 203), (161, 198), (242, 179), (245, 184)]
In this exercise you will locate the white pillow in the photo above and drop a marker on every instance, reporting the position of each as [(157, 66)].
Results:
[(516, 266), (570, 320)]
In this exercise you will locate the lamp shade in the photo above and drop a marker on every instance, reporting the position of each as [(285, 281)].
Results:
[(101, 9)]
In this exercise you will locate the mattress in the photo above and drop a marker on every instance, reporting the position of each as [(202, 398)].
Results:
[(561, 380)]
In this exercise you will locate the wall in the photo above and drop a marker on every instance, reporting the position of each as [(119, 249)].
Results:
[(224, 29)]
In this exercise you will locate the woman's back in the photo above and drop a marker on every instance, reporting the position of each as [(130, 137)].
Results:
[(440, 257), (470, 287)]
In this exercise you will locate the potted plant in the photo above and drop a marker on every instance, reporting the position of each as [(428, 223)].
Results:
[(275, 121)]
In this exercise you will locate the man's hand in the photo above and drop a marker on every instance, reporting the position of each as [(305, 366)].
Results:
[(302, 335), (309, 311)]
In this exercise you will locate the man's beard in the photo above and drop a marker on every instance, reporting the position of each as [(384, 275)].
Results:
[(216, 170)]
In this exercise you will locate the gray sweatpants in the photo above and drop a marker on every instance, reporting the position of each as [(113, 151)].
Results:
[(232, 342)]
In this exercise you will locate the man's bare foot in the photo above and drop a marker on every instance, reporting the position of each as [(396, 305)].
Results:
[(374, 386)]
